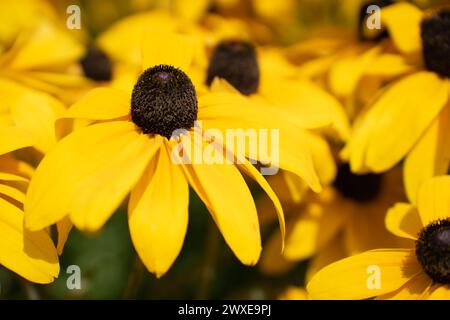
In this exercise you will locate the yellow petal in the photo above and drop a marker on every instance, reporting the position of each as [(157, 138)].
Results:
[(350, 278), (347, 71), (36, 113), (13, 138), (305, 104), (98, 195), (273, 262), (158, 214), (397, 120), (322, 157), (441, 292), (403, 22), (173, 49), (388, 65), (433, 200), (232, 208), (123, 40), (47, 47), (412, 290), (313, 229), (32, 255), (75, 158), (430, 156), (403, 220), (335, 250), (227, 111), (252, 172), (12, 193), (101, 104), (63, 227)]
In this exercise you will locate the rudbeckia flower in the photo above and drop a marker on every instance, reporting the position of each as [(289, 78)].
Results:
[(266, 77), (354, 67), (410, 118), (418, 272), (32, 255), (130, 148), (345, 219)]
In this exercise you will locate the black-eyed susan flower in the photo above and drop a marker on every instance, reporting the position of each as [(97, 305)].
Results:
[(32, 255), (131, 147), (409, 118), (345, 219), (418, 272)]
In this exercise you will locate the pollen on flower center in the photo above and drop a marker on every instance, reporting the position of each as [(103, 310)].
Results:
[(361, 188), (433, 251), (96, 65), (163, 100), (435, 33), (236, 62), (364, 33)]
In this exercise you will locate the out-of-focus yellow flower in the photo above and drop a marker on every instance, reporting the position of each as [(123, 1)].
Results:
[(410, 117), (422, 272), (31, 255), (345, 219), (90, 172)]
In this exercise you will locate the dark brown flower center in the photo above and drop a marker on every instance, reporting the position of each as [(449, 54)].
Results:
[(96, 65), (236, 62), (435, 33), (163, 101), (361, 188)]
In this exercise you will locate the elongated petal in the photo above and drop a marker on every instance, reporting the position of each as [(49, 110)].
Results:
[(306, 104), (158, 214), (403, 22), (173, 49), (32, 255), (403, 220), (412, 290), (314, 229), (440, 292), (12, 193), (100, 194), (227, 111), (388, 65), (252, 172), (346, 73), (101, 104), (350, 278), (430, 156), (13, 138), (74, 159), (397, 120), (434, 200), (63, 227), (47, 47), (232, 207)]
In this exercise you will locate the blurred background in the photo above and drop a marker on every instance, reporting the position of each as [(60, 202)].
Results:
[(206, 267)]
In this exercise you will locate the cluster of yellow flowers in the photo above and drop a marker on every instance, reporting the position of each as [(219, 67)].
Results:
[(361, 123)]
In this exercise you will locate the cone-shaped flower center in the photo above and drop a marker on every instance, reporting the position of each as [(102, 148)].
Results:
[(96, 65), (435, 33), (236, 62), (433, 251), (163, 100), (361, 188)]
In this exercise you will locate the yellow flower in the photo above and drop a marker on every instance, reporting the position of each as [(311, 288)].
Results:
[(354, 67), (410, 118), (345, 219), (90, 172), (31, 255), (422, 272), (293, 293)]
